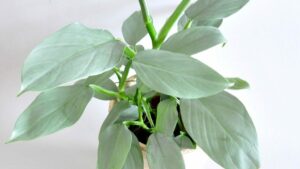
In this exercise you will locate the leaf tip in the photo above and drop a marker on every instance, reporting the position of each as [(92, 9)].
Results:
[(22, 91), (12, 139)]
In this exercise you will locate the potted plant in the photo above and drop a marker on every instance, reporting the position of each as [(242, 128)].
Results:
[(172, 102)]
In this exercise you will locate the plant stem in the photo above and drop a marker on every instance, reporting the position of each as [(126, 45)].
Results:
[(188, 24), (170, 22), (129, 52), (148, 112), (148, 21), (124, 77), (136, 123), (117, 72), (101, 90), (139, 102)]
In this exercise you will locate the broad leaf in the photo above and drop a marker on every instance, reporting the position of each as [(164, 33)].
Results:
[(120, 112), (184, 142), (221, 126), (177, 74), (201, 22), (167, 116), (213, 22), (163, 153), (114, 146), (51, 111), (73, 53), (135, 158), (193, 40), (214, 9), (133, 28), (238, 83)]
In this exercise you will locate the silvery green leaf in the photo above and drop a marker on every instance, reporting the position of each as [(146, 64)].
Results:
[(238, 83), (139, 48), (114, 146), (120, 112), (135, 158), (204, 22), (214, 9), (184, 142), (163, 153), (193, 40), (51, 111), (221, 126), (73, 53), (213, 22), (167, 116), (143, 88), (131, 90), (177, 74), (133, 28)]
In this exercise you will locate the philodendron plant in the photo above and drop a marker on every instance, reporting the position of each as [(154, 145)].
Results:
[(172, 101)]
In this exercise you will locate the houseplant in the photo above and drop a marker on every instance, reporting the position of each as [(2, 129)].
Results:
[(176, 100)]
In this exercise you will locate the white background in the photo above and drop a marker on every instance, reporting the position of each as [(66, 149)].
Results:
[(263, 47)]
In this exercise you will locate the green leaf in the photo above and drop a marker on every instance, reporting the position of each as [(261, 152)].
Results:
[(208, 22), (214, 9), (221, 126), (193, 40), (135, 158), (121, 111), (114, 146), (204, 22), (51, 111), (143, 88), (133, 28), (73, 53), (177, 74), (167, 116), (184, 142), (238, 83), (163, 153)]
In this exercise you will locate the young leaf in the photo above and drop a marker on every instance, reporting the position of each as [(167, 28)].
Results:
[(120, 112), (214, 9), (133, 28), (194, 40), (238, 83), (51, 111), (135, 158), (184, 142), (177, 74), (204, 22), (221, 126), (167, 116), (163, 153), (114, 146), (73, 53)]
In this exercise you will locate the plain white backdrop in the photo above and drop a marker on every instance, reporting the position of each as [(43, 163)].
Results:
[(263, 47)]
